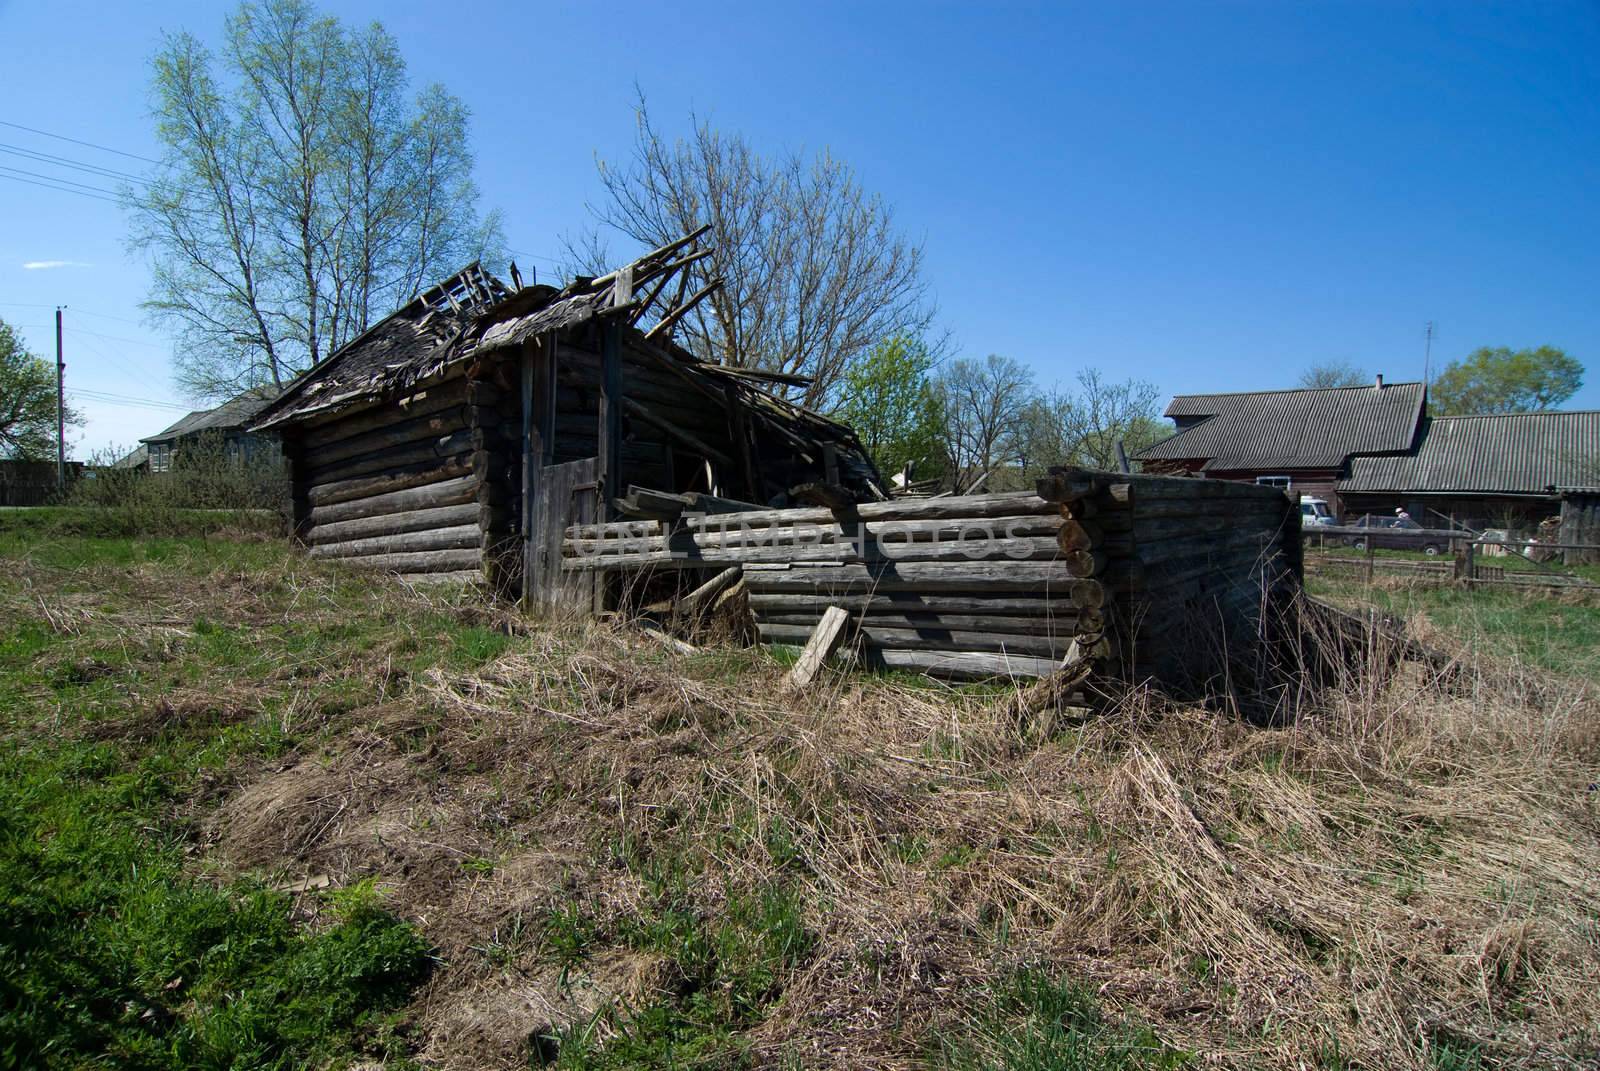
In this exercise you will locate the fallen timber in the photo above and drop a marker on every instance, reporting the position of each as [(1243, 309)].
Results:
[(1132, 576)]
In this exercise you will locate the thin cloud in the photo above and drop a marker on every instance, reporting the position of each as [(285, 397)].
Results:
[(46, 265)]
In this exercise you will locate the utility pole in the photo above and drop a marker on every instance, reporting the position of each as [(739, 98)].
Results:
[(1427, 354), (61, 411)]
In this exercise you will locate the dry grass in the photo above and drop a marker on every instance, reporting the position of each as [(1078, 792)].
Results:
[(1400, 878), (1408, 876)]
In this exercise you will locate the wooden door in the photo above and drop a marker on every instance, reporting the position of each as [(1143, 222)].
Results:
[(566, 495)]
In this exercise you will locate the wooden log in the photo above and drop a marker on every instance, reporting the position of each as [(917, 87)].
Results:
[(702, 597), (718, 531), (768, 604), (1068, 485), (435, 450), (823, 640), (402, 478), (428, 561), (394, 523), (448, 492), (683, 551), (962, 665), (1062, 625), (1084, 563), (457, 537), (449, 395), (1038, 578), (461, 576), (401, 432), (1079, 535), (967, 507)]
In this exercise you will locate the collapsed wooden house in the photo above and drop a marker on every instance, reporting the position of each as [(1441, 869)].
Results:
[(460, 436), (1176, 580), (558, 444)]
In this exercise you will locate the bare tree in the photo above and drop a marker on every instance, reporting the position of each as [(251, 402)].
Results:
[(302, 195), (1084, 426), (986, 406), (1334, 374), (1102, 414), (813, 270)]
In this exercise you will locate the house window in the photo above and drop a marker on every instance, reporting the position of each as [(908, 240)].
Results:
[(1281, 482), (160, 457)]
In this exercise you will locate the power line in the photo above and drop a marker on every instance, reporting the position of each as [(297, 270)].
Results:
[(97, 334), (63, 189), (77, 311), (123, 399), (76, 141), (63, 161), (57, 178)]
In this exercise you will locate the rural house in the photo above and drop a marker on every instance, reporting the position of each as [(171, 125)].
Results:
[(462, 434), (1492, 471), (1300, 440), (229, 421)]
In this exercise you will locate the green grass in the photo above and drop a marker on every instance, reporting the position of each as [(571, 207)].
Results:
[(131, 671), (1035, 1021), (1550, 631)]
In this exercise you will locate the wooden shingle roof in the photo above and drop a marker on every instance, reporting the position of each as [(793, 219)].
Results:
[(1514, 453), (1291, 429)]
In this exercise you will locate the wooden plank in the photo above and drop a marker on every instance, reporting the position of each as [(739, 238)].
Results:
[(567, 496), (825, 639)]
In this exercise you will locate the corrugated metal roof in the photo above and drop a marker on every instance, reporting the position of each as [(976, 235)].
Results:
[(233, 413), (1515, 453), (1292, 429)]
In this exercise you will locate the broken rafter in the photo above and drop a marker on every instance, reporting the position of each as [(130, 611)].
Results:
[(682, 310)]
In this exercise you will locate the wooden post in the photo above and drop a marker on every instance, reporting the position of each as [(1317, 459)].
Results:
[(1372, 561), (739, 428), (1472, 563), (610, 436), (530, 472)]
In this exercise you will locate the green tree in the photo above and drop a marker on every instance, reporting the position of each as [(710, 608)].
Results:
[(888, 398), (1501, 380), (303, 193), (27, 402)]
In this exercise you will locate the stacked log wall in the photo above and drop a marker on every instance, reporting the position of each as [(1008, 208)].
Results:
[(1149, 577), (394, 487)]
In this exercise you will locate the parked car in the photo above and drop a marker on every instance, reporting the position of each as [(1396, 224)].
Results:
[(1398, 533)]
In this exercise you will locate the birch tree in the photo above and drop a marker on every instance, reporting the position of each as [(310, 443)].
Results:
[(303, 193)]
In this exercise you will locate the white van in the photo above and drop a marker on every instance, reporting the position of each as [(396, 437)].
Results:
[(1314, 511)]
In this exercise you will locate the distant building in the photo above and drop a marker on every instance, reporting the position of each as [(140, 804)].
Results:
[(228, 420), (1301, 440), (1486, 471)]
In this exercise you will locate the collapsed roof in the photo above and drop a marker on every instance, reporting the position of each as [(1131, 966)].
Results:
[(473, 314)]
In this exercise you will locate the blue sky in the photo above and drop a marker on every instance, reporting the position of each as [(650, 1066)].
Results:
[(1210, 197)]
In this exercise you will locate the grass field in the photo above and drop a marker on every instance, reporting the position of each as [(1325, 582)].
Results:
[(257, 813)]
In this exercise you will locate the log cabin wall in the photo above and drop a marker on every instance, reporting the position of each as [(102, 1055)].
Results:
[(1148, 577), (393, 485)]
